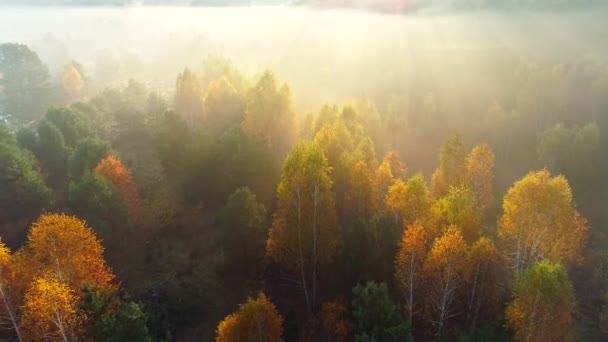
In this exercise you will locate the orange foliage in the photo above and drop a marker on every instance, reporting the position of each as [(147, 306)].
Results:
[(256, 320), (113, 170)]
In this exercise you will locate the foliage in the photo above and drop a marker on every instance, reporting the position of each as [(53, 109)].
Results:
[(257, 319), (375, 316)]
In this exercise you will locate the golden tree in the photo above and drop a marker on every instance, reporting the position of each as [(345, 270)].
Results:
[(446, 267), (485, 268), (389, 170), (9, 293), (49, 311), (304, 232), (541, 222), (63, 247), (256, 320), (409, 200), (409, 263), (456, 208), (480, 175), (452, 167)]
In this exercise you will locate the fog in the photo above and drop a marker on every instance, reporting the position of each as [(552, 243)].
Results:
[(325, 55)]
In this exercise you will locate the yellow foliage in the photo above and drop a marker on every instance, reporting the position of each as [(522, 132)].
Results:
[(63, 247), (49, 311), (256, 320)]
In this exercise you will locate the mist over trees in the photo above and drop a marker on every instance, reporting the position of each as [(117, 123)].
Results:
[(388, 180)]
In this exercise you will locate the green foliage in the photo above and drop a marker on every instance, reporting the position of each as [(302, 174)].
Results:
[(376, 317), (72, 125), (244, 233), (86, 156), (52, 152), (24, 78), (22, 188), (110, 319), (95, 200)]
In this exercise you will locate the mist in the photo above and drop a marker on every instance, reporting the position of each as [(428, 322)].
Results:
[(219, 161)]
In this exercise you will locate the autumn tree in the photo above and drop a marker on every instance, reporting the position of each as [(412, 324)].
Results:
[(409, 200), (189, 97), (62, 247), (409, 263), (446, 266), (452, 168), (9, 295), (335, 319), (112, 169), (480, 176), (49, 311), (256, 320), (303, 234), (389, 170), (485, 270), (542, 305), (540, 221), (73, 82)]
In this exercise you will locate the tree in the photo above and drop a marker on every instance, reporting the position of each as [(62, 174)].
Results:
[(409, 263), (73, 81), (24, 77), (52, 153), (269, 113), (189, 98), (8, 294), (62, 249), (23, 192), (456, 208), (49, 311), (541, 222), (88, 154), (112, 169), (304, 233), (335, 319), (224, 106), (542, 305), (256, 320), (390, 169), (375, 316), (446, 266), (480, 176), (485, 267), (110, 319), (409, 201), (243, 233), (452, 167)]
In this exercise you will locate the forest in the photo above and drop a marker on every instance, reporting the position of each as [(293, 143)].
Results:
[(455, 193)]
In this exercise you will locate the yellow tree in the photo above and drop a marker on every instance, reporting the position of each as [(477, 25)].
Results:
[(542, 305), (485, 269), (8, 291), (49, 312), (63, 247), (304, 232), (389, 170), (409, 262), (409, 200), (256, 320), (359, 196), (446, 267), (72, 81), (540, 221), (480, 176), (452, 167)]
